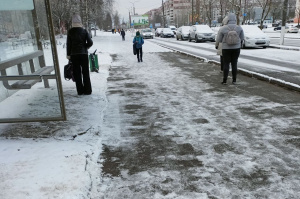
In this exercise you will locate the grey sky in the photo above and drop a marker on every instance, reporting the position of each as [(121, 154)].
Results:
[(141, 6)]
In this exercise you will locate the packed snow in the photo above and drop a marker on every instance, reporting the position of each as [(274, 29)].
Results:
[(67, 162)]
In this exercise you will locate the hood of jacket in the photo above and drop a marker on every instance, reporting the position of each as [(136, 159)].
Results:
[(225, 21), (231, 18)]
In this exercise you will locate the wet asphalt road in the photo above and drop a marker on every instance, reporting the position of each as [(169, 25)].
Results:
[(181, 134)]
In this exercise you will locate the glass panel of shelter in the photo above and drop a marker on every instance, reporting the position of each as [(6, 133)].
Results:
[(30, 85)]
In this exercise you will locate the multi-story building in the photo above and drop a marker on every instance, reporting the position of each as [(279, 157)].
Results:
[(297, 12), (176, 12)]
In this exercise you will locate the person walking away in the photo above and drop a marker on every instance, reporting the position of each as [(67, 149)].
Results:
[(123, 34), (78, 42), (219, 45), (230, 36), (139, 46)]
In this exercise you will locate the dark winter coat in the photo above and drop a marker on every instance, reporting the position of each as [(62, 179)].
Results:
[(78, 41), (123, 33)]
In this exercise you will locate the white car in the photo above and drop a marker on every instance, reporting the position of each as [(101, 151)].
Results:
[(183, 33), (147, 33), (157, 32), (201, 33), (254, 37), (292, 29)]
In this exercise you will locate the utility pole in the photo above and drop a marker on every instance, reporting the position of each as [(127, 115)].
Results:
[(284, 13), (192, 12), (163, 9)]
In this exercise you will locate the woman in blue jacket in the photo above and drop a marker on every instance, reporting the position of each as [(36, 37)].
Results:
[(139, 46)]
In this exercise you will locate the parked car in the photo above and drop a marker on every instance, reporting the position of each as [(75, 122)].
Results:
[(183, 33), (147, 33), (279, 28), (166, 32), (292, 29), (174, 29), (157, 32), (201, 33), (254, 37)]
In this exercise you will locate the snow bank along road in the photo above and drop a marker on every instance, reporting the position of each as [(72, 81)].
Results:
[(280, 65)]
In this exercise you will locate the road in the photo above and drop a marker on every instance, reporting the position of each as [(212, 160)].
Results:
[(265, 63)]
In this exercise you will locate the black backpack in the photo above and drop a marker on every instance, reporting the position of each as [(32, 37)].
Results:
[(68, 72)]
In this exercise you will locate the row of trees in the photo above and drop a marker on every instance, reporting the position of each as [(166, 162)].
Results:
[(94, 13), (205, 11)]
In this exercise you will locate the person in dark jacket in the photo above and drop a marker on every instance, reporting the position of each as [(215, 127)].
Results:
[(139, 46), (230, 53), (123, 34), (78, 42)]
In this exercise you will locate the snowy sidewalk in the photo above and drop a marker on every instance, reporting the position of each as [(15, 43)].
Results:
[(165, 128)]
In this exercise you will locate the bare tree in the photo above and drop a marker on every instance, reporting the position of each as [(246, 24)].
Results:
[(266, 6), (116, 19)]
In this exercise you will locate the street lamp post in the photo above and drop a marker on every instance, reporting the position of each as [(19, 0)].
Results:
[(133, 6)]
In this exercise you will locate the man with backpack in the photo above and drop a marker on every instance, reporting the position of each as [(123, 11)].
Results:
[(231, 36)]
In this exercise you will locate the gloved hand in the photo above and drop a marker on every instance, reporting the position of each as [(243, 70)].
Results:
[(217, 47)]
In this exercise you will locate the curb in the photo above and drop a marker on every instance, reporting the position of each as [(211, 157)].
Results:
[(285, 48), (245, 72)]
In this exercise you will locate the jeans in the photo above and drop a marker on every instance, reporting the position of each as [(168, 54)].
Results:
[(230, 56)]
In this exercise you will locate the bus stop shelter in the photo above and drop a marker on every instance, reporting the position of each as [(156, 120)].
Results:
[(30, 83)]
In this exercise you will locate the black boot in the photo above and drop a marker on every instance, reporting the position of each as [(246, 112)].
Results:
[(138, 60), (141, 59), (224, 81)]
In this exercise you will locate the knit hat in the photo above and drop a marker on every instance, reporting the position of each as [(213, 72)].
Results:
[(137, 33), (76, 21)]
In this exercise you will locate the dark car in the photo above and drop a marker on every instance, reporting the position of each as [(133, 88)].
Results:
[(277, 28), (166, 32)]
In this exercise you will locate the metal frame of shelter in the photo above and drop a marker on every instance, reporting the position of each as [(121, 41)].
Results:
[(37, 77)]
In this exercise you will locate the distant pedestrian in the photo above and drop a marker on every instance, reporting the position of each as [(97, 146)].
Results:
[(123, 34), (231, 36), (78, 41), (139, 46), (219, 45)]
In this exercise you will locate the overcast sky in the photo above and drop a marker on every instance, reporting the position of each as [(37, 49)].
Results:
[(141, 6)]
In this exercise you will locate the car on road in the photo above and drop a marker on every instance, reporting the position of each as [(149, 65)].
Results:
[(254, 37), (292, 29), (174, 29), (157, 32), (288, 29), (147, 33), (166, 32), (183, 33), (201, 33)]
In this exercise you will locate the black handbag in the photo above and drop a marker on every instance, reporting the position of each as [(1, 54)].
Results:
[(68, 72), (134, 48)]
